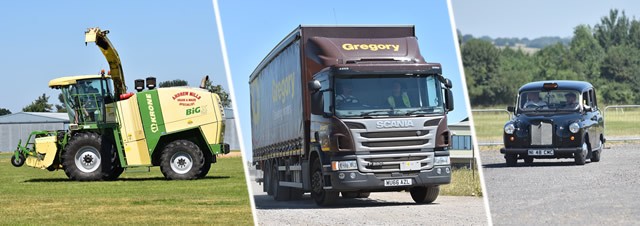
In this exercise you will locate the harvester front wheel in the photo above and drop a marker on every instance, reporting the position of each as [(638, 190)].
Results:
[(17, 162), (84, 158), (182, 160)]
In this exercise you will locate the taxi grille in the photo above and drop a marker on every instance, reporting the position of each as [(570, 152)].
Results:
[(542, 134)]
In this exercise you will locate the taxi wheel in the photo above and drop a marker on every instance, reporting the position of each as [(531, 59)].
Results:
[(512, 159), (581, 157), (595, 156)]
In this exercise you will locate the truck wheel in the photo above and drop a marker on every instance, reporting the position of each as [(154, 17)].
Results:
[(425, 195), (364, 195), (320, 196), (512, 159), (266, 172), (84, 159), (208, 159), (18, 162), (581, 157), (280, 193), (349, 195), (595, 156), (528, 160), (181, 160)]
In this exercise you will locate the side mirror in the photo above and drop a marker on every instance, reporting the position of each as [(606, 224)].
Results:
[(586, 107), (448, 84), (317, 103), (511, 109), (314, 86), (448, 96)]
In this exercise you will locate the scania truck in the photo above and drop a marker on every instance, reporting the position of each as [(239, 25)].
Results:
[(350, 110)]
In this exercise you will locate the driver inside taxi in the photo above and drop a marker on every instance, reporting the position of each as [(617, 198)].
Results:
[(533, 101)]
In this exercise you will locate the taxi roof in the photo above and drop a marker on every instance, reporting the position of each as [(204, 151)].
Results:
[(562, 85)]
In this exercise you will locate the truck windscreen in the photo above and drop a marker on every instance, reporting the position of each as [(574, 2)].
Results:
[(387, 95)]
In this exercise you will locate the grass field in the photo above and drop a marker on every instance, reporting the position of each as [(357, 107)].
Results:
[(463, 184), (619, 123), (34, 196)]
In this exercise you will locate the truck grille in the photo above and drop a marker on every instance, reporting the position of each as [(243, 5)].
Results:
[(387, 163), (542, 134), (410, 133), (377, 144)]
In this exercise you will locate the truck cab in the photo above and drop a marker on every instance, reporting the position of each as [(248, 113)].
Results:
[(554, 119)]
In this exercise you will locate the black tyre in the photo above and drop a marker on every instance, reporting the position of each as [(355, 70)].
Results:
[(280, 193), (208, 159), (85, 158), (18, 162), (267, 180), (425, 195), (181, 160), (595, 156), (112, 167), (512, 159), (349, 195), (528, 160), (320, 196), (364, 195), (581, 157)]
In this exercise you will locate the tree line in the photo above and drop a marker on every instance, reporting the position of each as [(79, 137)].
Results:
[(607, 55), (41, 104)]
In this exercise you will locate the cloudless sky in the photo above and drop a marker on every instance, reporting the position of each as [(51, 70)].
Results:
[(253, 28), (532, 19), (43, 40)]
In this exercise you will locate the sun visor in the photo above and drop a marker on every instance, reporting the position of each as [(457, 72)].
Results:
[(330, 51)]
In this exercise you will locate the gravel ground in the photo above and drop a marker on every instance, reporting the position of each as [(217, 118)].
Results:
[(382, 208), (558, 192)]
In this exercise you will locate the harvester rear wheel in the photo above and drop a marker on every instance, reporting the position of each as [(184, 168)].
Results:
[(182, 160), (85, 159), (208, 159), (18, 162)]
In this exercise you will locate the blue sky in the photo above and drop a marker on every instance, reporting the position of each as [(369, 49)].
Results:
[(251, 32), (42, 40), (532, 19)]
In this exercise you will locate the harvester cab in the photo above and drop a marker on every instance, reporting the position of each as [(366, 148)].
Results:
[(180, 129)]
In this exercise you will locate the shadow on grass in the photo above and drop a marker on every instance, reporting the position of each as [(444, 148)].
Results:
[(267, 202), (119, 179)]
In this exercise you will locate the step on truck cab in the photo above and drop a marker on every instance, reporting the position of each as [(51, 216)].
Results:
[(350, 110)]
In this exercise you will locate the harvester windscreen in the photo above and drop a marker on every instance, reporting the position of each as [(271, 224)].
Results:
[(84, 101), (387, 95)]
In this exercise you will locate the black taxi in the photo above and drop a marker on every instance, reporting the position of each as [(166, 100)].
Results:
[(554, 119)]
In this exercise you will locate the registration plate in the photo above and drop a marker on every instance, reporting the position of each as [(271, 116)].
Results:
[(540, 152), (397, 182)]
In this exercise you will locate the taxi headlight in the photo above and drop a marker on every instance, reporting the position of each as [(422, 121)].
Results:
[(509, 128), (574, 127)]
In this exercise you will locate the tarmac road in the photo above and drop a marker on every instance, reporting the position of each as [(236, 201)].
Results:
[(382, 208), (558, 192)]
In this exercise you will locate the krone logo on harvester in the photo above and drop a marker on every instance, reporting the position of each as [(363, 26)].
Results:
[(152, 114)]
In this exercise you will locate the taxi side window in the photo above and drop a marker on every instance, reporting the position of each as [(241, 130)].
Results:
[(585, 99)]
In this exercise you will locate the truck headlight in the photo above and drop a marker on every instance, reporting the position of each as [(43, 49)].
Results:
[(574, 127), (509, 128), (441, 160), (344, 165)]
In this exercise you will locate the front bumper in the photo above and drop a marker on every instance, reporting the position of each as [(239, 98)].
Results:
[(370, 182), (557, 152)]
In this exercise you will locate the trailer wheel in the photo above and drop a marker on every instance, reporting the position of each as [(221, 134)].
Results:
[(320, 196), (425, 195), (181, 160), (581, 157), (512, 159), (84, 158), (18, 162), (266, 174), (280, 193)]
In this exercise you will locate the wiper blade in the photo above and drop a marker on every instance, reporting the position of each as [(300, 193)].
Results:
[(376, 111), (420, 109)]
